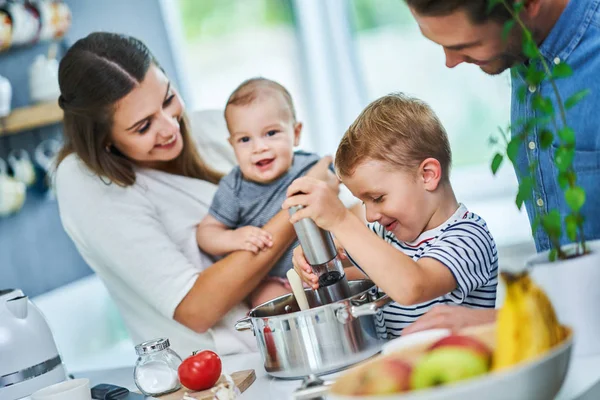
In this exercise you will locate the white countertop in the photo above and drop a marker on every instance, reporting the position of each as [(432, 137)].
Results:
[(584, 372)]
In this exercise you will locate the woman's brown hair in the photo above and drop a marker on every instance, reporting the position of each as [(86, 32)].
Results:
[(94, 74)]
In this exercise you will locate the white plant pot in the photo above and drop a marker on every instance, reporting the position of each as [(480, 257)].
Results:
[(573, 287)]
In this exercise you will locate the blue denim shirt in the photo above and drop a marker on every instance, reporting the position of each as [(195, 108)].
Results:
[(574, 39)]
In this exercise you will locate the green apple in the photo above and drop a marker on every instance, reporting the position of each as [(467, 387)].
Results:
[(448, 364), (389, 375)]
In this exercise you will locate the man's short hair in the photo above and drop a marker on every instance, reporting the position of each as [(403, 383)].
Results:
[(477, 10)]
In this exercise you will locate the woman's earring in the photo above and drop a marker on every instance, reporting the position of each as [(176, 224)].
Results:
[(108, 149)]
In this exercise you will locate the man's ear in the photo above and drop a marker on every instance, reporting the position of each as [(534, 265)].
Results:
[(532, 8), (430, 171), (297, 132)]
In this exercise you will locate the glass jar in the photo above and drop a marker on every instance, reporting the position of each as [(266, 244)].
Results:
[(155, 371)]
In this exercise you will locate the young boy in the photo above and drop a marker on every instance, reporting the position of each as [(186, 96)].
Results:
[(396, 158), (263, 131)]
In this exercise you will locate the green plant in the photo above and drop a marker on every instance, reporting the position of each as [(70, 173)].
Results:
[(551, 123)]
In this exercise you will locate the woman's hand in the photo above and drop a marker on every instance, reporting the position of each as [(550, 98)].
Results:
[(303, 268), (451, 317), (321, 204)]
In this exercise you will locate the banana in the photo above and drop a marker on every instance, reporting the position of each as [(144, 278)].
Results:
[(527, 325)]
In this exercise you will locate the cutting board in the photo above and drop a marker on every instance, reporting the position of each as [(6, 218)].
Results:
[(242, 379)]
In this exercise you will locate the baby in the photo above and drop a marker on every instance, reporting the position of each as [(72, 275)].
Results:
[(263, 131), (421, 246)]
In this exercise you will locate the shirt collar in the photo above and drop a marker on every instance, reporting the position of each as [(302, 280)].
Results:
[(569, 29)]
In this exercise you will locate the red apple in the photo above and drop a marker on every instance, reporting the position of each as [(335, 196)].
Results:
[(465, 342), (390, 375)]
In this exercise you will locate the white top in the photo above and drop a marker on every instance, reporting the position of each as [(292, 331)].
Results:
[(141, 242)]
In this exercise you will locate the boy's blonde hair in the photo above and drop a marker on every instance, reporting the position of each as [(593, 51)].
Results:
[(397, 129), (249, 90)]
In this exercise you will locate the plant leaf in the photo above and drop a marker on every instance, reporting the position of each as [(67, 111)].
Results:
[(563, 179), (518, 6), (525, 191), (571, 227), (561, 70), (534, 76), (496, 162), (491, 4), (508, 25), (551, 223), (575, 197), (576, 98), (546, 138), (513, 149), (552, 255), (529, 47), (563, 158), (543, 104), (567, 135)]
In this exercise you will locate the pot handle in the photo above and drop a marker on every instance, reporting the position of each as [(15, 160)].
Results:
[(370, 308), (243, 324)]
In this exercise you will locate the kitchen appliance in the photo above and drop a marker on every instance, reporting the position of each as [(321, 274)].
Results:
[(322, 339), (5, 96), (28, 354), (321, 254)]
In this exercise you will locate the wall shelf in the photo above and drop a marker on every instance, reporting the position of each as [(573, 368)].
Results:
[(27, 118)]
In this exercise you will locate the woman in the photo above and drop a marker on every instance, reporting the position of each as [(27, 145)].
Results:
[(131, 189)]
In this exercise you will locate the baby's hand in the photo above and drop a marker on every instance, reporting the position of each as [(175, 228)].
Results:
[(251, 238)]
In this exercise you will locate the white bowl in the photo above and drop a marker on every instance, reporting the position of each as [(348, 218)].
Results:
[(537, 379), (414, 339)]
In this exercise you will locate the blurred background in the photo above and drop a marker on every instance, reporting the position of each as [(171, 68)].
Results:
[(334, 56)]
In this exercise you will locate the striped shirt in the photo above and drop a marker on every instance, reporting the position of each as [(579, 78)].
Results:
[(463, 244)]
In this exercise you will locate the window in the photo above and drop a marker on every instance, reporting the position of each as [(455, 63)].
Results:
[(394, 56), (228, 41), (335, 56)]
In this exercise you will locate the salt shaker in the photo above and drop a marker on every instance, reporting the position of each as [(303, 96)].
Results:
[(155, 371)]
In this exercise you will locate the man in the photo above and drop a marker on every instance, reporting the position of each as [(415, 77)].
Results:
[(565, 31)]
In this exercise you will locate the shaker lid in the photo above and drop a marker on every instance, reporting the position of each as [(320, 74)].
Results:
[(152, 346)]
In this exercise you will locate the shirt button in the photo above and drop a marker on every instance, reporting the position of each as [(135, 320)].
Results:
[(540, 202), (531, 145), (557, 60), (532, 89)]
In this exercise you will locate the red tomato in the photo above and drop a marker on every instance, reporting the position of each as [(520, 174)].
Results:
[(200, 371)]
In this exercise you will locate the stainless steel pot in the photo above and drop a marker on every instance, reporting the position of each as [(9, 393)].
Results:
[(320, 340)]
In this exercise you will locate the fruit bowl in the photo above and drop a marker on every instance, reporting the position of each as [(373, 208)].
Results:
[(538, 378)]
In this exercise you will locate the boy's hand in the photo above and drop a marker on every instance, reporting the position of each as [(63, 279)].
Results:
[(303, 268), (321, 204), (250, 238), (322, 172)]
